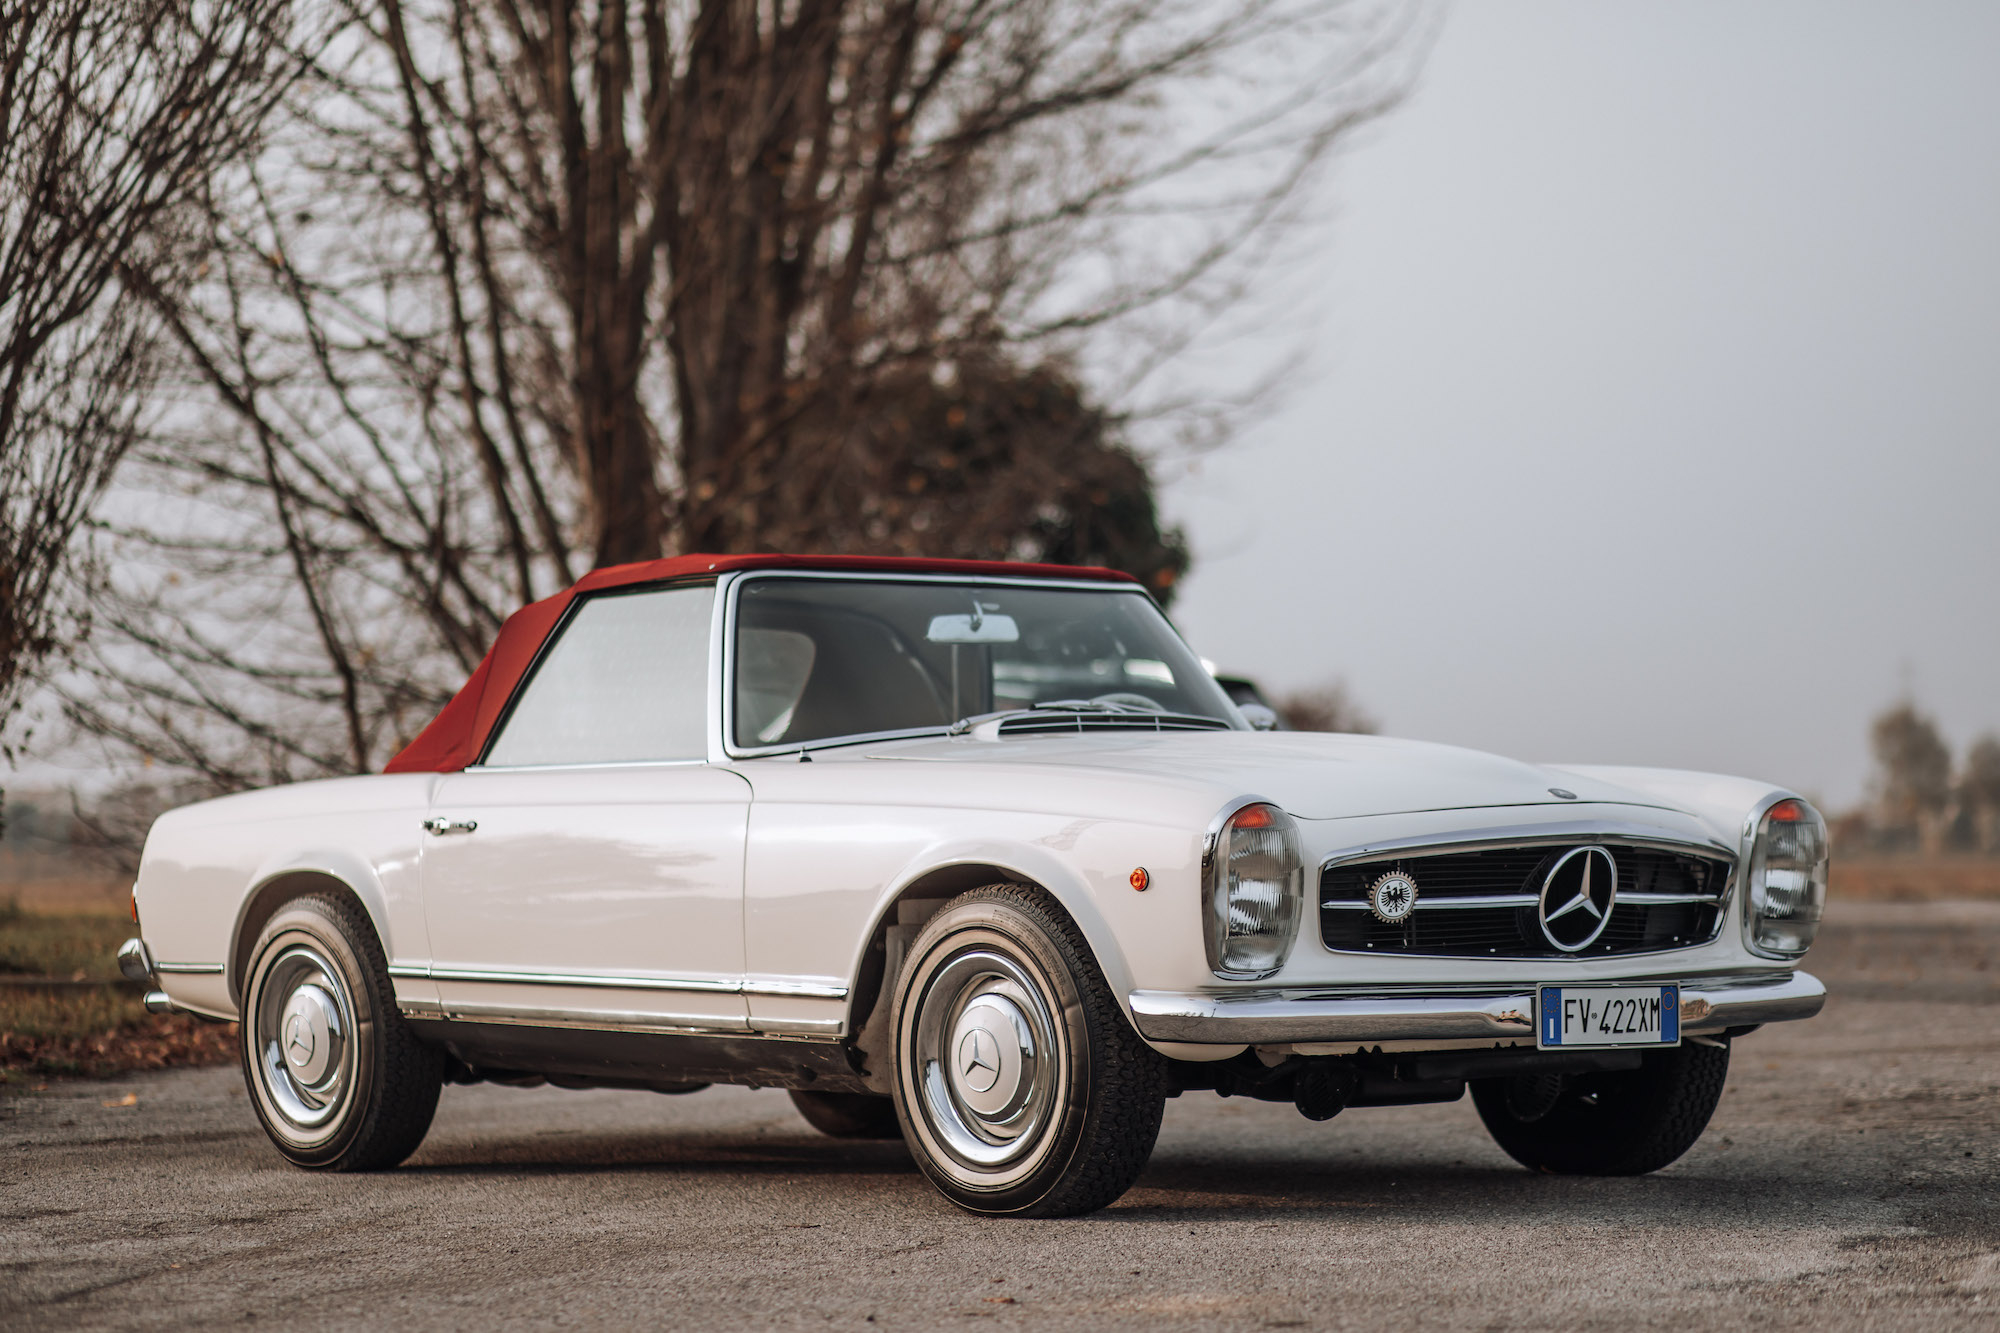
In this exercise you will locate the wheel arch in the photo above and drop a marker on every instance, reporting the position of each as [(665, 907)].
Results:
[(271, 893), (942, 881)]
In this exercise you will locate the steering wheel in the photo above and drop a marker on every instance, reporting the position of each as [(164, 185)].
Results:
[(1129, 701)]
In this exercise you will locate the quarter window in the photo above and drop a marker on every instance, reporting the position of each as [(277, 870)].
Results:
[(626, 681)]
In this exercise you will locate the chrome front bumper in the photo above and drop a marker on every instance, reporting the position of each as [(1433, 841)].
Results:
[(1342, 1014)]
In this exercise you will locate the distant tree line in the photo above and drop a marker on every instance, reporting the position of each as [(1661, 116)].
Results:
[(1920, 801)]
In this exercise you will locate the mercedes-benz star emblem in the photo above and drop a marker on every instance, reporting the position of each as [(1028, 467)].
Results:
[(1577, 898), (979, 1060), (1392, 898), (299, 1039)]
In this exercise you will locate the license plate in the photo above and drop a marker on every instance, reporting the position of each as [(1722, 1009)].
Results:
[(1608, 1016)]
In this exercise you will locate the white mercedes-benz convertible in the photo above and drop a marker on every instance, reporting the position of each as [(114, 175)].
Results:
[(981, 856)]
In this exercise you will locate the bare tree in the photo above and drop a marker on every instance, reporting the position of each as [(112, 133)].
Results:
[(1912, 775), (1329, 707), (527, 285), (113, 113), (1979, 793)]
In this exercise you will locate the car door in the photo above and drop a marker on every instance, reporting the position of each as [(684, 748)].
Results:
[(590, 869)]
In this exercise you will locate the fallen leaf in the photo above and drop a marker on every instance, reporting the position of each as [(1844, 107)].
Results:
[(129, 1099), (1000, 1300)]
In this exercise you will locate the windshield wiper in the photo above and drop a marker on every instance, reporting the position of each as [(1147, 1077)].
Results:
[(965, 724)]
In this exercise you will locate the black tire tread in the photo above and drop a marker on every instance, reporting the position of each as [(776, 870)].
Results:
[(1122, 1120), (408, 1075), (1662, 1109)]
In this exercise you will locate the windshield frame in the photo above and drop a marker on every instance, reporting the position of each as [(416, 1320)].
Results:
[(731, 590)]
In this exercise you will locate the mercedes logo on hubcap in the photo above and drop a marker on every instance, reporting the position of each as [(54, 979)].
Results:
[(979, 1060), (298, 1039), (1577, 898)]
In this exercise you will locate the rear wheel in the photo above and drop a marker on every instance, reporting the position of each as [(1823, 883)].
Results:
[(1021, 1086), (337, 1077), (849, 1115), (1622, 1124)]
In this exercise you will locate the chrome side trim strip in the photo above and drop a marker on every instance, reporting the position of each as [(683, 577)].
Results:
[(809, 990), (1337, 1014), (794, 989), (638, 1024), (190, 969), (584, 979)]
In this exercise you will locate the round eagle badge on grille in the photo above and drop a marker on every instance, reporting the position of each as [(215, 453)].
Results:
[(1392, 898), (1577, 898)]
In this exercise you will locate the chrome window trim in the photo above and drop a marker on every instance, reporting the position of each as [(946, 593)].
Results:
[(730, 587), (555, 632), (571, 767)]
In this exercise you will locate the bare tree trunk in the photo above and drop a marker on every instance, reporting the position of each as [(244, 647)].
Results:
[(531, 284)]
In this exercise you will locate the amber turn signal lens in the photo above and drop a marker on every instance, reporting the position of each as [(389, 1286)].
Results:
[(1140, 879), (1788, 812), (135, 907)]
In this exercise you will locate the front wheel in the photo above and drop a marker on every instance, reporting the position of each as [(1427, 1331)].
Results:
[(1021, 1086), (1619, 1124), (337, 1077)]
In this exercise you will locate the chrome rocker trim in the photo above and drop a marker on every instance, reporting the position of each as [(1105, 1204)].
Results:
[(1342, 1014), (811, 990)]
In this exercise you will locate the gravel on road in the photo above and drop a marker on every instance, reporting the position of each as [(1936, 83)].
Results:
[(1848, 1180)]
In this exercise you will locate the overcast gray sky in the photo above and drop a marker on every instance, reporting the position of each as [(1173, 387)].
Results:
[(1653, 410)]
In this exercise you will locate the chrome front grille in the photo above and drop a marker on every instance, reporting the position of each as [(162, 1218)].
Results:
[(1484, 903)]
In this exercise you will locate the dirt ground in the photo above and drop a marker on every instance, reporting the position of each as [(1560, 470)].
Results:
[(1847, 1181)]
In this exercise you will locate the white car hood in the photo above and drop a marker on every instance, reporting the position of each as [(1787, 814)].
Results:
[(1311, 775)]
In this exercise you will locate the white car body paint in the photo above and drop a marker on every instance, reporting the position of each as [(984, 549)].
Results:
[(629, 883), (742, 894)]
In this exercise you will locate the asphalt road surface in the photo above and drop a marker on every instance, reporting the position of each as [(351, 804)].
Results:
[(1849, 1179)]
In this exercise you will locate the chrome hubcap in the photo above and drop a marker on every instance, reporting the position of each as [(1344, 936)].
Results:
[(304, 1032), (986, 1060)]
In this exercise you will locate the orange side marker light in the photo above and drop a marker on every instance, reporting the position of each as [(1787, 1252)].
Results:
[(1140, 879)]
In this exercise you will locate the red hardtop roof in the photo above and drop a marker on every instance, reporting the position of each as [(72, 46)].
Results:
[(460, 730)]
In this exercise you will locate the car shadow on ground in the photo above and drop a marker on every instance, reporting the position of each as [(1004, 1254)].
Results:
[(560, 1152), (1484, 1195)]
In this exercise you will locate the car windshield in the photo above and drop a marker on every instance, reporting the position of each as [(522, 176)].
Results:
[(823, 658)]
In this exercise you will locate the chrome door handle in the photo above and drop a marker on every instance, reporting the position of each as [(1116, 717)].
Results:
[(444, 826)]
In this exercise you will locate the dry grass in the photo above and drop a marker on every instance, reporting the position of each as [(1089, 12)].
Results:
[(96, 1028), (1914, 878)]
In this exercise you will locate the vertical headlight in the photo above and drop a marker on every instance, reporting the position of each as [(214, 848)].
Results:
[(1787, 879), (1256, 878)]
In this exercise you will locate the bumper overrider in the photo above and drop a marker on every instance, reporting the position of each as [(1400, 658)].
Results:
[(135, 961), (1338, 1014)]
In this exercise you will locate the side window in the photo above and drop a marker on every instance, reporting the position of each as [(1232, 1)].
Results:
[(626, 681)]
